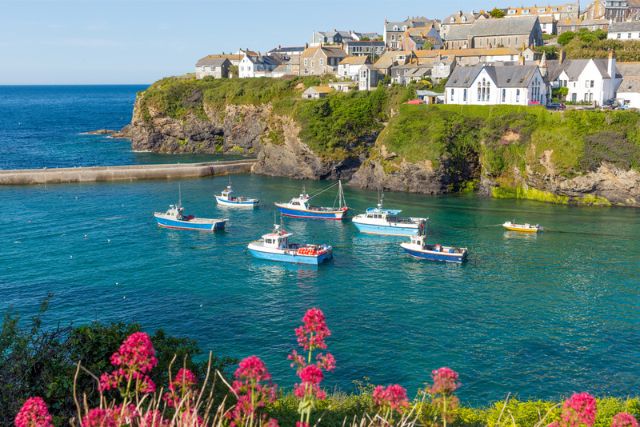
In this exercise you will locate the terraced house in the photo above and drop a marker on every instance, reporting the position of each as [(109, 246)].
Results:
[(491, 33), (394, 31), (319, 60)]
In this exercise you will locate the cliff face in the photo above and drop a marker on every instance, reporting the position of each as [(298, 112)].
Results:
[(501, 152)]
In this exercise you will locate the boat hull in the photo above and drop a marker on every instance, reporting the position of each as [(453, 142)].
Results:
[(434, 256), (189, 225), (520, 229), (386, 230), (233, 204), (290, 258), (337, 215)]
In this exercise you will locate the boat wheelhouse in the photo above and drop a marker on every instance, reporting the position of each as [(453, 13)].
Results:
[(227, 198), (418, 248), (522, 228), (174, 218), (300, 207), (388, 222), (275, 246)]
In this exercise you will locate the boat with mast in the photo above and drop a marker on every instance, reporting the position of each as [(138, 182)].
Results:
[(300, 207), (387, 222), (175, 218), (418, 248), (229, 199)]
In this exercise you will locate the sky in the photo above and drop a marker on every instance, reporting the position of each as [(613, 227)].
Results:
[(140, 41)]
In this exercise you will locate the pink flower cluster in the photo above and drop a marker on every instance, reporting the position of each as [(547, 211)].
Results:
[(111, 417), (311, 336), (181, 388), (579, 410), (624, 419), (135, 358), (251, 393), (34, 413), (445, 381), (393, 397)]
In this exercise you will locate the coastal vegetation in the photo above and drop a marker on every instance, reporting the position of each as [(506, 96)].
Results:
[(52, 380), (594, 44)]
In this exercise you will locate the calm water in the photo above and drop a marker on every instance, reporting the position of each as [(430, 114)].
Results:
[(539, 316)]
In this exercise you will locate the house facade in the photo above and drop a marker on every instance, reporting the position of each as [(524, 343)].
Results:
[(394, 31), (349, 67), (370, 48), (576, 25), (331, 37), (217, 68), (368, 78), (491, 33), (592, 81), (496, 84), (629, 90), (316, 92), (460, 18), (319, 60), (624, 31), (254, 64), (422, 38)]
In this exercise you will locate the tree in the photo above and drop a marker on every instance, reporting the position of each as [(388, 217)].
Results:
[(566, 37), (497, 13)]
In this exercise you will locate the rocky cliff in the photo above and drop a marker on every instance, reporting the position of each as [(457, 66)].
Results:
[(376, 143)]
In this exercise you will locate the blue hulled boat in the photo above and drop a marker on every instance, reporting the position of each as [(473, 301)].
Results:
[(383, 221), (275, 246), (174, 218), (299, 207), (228, 199), (419, 248)]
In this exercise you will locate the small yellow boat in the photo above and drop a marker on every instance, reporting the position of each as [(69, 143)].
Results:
[(523, 228)]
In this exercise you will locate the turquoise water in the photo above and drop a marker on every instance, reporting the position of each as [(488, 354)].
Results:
[(538, 316)]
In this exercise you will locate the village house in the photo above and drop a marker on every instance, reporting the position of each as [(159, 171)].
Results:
[(549, 15), (595, 10), (368, 79), (316, 92), (490, 33), (485, 84), (349, 67), (475, 56), (629, 90), (422, 38), (412, 72), (370, 48), (394, 32), (593, 81), (319, 60), (389, 59), (622, 10), (211, 66), (336, 37), (576, 25), (624, 31), (254, 64), (347, 86), (461, 18)]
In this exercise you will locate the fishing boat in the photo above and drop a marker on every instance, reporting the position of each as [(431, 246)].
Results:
[(174, 218), (383, 221), (523, 228), (300, 207), (275, 246), (227, 198), (419, 248)]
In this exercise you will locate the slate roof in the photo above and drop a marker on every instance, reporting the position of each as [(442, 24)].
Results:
[(211, 61), (624, 27), (574, 67), (630, 84), (498, 51), (418, 21), (504, 76), (493, 27), (629, 69), (287, 49)]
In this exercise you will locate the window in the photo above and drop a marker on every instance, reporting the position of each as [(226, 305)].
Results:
[(593, 83), (618, 35), (484, 90), (504, 95), (452, 94), (321, 62), (464, 95), (517, 95), (628, 35)]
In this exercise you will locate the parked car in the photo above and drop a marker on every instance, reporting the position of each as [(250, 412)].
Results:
[(556, 106)]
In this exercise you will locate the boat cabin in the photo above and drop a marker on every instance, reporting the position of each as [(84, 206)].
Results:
[(175, 211), (279, 239), (300, 201), (227, 193)]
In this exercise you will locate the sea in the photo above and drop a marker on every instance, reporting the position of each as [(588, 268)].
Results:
[(536, 316)]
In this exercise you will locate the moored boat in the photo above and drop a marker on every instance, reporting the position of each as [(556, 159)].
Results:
[(174, 218), (419, 248), (383, 221), (227, 198), (275, 246), (300, 207), (523, 228)]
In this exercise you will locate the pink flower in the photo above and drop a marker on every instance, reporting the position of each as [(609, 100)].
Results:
[(34, 413), (301, 424), (311, 374), (99, 417), (272, 423), (153, 418), (580, 409), (554, 424), (314, 331), (184, 380), (136, 353), (297, 360), (394, 396), (326, 361), (624, 419), (445, 381), (252, 368)]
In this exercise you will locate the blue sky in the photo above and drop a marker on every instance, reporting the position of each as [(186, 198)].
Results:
[(140, 41)]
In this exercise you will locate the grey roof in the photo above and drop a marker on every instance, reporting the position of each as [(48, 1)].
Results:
[(266, 60), (493, 27), (287, 49), (628, 69), (211, 62), (623, 27), (365, 43), (419, 21), (630, 84), (503, 76), (575, 67)]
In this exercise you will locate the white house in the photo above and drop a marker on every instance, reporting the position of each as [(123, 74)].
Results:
[(254, 64), (629, 90), (368, 78), (485, 84), (593, 81), (349, 67), (624, 31)]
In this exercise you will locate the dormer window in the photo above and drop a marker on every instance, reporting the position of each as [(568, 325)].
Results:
[(464, 19), (395, 28)]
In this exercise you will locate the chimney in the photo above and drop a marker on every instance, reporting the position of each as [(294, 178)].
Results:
[(543, 65), (611, 64), (562, 56), (521, 59)]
